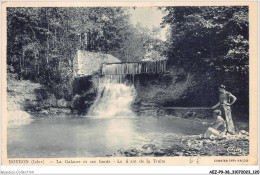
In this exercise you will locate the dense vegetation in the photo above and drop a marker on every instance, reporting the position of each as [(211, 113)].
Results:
[(42, 41), (209, 44)]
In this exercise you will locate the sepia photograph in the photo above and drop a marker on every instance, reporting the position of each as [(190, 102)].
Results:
[(131, 81)]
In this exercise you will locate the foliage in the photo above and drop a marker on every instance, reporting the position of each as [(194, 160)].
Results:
[(212, 43), (41, 42), (209, 43), (137, 42), (214, 36)]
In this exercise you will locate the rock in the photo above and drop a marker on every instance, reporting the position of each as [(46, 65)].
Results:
[(186, 154), (179, 153), (121, 150), (148, 152), (243, 132), (148, 146), (131, 152), (226, 145), (139, 154), (159, 153), (133, 149), (203, 154), (221, 153), (196, 148)]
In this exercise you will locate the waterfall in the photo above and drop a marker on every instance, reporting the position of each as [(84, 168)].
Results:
[(114, 99), (115, 92)]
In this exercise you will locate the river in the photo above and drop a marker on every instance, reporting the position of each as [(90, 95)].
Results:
[(94, 137), (109, 126)]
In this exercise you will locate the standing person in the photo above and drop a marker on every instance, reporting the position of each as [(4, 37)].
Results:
[(226, 99)]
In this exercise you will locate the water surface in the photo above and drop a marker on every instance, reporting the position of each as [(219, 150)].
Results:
[(94, 137)]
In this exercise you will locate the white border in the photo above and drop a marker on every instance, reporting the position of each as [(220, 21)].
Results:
[(130, 169)]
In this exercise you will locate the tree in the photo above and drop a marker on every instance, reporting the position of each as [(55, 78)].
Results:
[(41, 42), (212, 43)]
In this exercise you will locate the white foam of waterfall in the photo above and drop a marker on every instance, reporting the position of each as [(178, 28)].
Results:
[(114, 99)]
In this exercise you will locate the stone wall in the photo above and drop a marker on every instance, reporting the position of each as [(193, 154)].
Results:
[(87, 63)]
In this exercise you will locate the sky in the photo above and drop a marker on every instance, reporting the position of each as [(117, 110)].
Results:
[(149, 17)]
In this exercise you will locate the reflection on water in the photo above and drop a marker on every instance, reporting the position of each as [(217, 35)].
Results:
[(93, 137), (121, 130)]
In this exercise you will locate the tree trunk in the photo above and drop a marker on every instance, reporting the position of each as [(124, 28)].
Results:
[(20, 61)]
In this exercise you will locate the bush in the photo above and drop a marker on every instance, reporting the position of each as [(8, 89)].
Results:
[(32, 106)]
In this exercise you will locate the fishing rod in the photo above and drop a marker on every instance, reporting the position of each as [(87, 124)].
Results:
[(186, 108), (192, 120), (205, 108)]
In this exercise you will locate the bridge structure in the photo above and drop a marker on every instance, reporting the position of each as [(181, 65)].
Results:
[(89, 63)]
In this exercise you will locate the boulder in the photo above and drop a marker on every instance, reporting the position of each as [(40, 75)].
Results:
[(148, 151), (243, 132), (179, 153), (146, 146), (159, 153), (130, 153)]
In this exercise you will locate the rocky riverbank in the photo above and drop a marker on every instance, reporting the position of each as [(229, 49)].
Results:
[(33, 98), (232, 145), (18, 92)]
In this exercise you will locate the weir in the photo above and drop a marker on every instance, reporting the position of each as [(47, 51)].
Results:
[(158, 66), (116, 91)]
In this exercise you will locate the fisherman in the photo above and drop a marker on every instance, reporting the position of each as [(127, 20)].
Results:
[(226, 99), (218, 128)]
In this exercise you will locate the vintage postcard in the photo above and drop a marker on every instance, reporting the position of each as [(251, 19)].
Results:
[(129, 83)]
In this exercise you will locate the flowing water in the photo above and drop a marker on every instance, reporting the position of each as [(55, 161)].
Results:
[(109, 126), (114, 99)]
